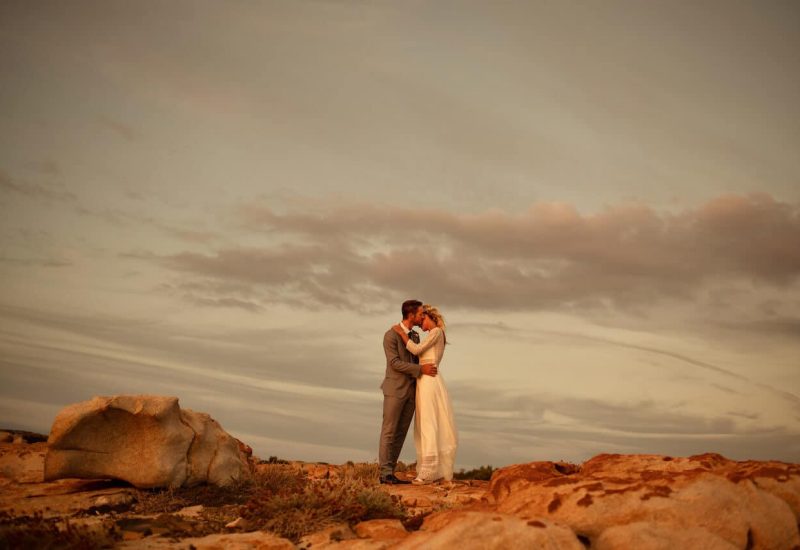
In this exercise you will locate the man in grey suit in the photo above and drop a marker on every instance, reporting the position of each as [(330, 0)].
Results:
[(399, 390)]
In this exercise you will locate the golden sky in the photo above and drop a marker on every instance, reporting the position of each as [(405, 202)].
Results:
[(228, 201)]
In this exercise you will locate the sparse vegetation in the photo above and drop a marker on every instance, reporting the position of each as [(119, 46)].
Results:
[(274, 460), (366, 472), (483, 473), (53, 534), (165, 501), (295, 508), (281, 498)]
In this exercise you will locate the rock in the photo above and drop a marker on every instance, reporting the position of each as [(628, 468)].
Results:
[(238, 523), (190, 511), (103, 500), (63, 497), (421, 499), (256, 540), (706, 492), (417, 501), (327, 537), (147, 441), (473, 530), (363, 544), (23, 463), (132, 535), (6, 437), (214, 455), (654, 536), (381, 529)]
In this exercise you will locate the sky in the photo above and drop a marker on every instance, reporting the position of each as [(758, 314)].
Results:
[(228, 202)]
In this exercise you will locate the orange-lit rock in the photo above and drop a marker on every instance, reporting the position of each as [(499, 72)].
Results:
[(745, 504)]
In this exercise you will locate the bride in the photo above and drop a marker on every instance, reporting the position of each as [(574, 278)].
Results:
[(435, 436)]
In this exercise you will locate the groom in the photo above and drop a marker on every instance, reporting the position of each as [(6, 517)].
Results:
[(399, 390)]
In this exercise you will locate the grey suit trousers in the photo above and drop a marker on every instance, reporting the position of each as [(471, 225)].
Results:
[(397, 416), (399, 392)]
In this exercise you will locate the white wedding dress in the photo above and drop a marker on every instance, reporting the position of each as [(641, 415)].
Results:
[(435, 436)]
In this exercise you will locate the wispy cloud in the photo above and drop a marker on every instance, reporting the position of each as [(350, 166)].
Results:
[(121, 129), (38, 262), (118, 217), (50, 192), (552, 256), (538, 420), (47, 167), (278, 387)]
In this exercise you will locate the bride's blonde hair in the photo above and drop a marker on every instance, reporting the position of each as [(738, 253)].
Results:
[(435, 316)]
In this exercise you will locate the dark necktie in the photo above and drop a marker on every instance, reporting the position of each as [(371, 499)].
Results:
[(413, 336)]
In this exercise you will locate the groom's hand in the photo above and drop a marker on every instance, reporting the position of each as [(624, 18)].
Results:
[(429, 369)]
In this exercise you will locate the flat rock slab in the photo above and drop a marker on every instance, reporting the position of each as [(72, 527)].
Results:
[(476, 530), (421, 499), (22, 462), (256, 540), (64, 497)]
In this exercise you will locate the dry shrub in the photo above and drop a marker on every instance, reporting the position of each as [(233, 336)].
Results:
[(483, 473), (158, 501), (366, 472), (53, 534), (276, 477), (302, 506), (165, 501)]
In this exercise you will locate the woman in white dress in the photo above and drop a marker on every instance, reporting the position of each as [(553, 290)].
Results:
[(435, 436)]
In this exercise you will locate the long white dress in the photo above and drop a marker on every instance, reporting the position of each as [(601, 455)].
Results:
[(435, 435)]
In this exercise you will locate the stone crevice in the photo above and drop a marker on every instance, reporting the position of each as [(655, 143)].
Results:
[(189, 448)]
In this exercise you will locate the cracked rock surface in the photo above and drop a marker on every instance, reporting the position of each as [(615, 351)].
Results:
[(148, 441)]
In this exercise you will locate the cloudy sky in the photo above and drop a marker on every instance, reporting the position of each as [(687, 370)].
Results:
[(228, 201)]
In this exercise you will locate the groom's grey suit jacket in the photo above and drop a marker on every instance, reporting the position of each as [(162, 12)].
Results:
[(402, 368)]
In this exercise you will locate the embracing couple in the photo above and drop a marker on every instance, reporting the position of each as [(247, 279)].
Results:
[(412, 385)]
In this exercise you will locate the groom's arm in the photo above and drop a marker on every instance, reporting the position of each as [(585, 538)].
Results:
[(391, 348)]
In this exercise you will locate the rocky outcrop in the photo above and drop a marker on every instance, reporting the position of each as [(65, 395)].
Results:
[(148, 441), (651, 501), (476, 530), (610, 502), (21, 457)]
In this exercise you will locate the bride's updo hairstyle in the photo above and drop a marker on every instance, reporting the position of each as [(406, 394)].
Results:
[(434, 315)]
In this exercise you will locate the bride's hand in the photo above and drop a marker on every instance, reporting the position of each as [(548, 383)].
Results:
[(402, 334)]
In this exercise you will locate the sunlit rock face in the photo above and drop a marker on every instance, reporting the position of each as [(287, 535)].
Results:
[(148, 441), (618, 501)]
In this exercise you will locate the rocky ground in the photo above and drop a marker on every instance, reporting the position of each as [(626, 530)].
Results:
[(220, 496), (96, 513)]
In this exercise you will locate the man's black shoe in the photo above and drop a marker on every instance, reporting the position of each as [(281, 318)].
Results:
[(391, 479)]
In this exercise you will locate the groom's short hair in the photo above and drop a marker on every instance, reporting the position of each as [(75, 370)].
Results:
[(409, 307)]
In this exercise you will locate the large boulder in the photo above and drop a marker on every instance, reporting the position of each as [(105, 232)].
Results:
[(651, 501), (146, 440)]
